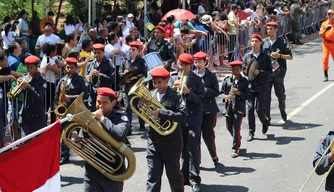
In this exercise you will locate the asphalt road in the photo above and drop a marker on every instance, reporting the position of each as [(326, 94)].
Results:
[(276, 162)]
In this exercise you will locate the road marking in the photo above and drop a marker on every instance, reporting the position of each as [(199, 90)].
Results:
[(295, 111)]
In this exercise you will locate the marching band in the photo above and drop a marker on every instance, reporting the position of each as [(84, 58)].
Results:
[(183, 106)]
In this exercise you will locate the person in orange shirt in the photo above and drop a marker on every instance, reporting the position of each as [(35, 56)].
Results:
[(327, 33), (47, 19)]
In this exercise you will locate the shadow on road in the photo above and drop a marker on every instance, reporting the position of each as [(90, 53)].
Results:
[(138, 149), (280, 140), (70, 180), (79, 163), (223, 188), (251, 156), (227, 171), (290, 125)]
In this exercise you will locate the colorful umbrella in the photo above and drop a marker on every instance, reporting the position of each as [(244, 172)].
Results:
[(180, 14)]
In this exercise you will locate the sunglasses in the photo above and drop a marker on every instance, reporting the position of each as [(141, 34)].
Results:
[(330, 14), (133, 49)]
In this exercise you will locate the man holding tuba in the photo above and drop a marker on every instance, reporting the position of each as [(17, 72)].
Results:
[(67, 90), (258, 79), (32, 115), (165, 150), (191, 87), (117, 126)]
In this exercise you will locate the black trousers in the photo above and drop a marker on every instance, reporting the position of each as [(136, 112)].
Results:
[(191, 155), (208, 132), (129, 110), (161, 154), (231, 45), (257, 102), (278, 84), (50, 97), (233, 125)]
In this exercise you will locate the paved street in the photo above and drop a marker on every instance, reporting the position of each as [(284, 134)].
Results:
[(277, 162)]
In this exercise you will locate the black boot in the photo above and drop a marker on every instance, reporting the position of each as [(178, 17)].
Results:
[(326, 76)]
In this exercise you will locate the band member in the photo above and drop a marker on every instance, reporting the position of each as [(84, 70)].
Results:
[(74, 85), (159, 44), (193, 94), (136, 65), (32, 117), (210, 108), (165, 150), (235, 92), (116, 124), (327, 33), (327, 162), (279, 50), (259, 85), (100, 73)]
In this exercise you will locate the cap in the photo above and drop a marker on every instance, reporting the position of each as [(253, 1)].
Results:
[(130, 15), (106, 91), (159, 73), (200, 55), (160, 28), (236, 63), (135, 44), (71, 60), (257, 36), (272, 23), (330, 11), (186, 58), (98, 46), (206, 19), (31, 60)]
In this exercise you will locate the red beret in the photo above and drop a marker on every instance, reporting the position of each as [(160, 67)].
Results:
[(186, 58), (71, 60), (135, 44), (31, 60), (160, 28), (98, 46), (159, 73), (272, 23), (106, 91), (200, 55), (236, 63), (257, 36)]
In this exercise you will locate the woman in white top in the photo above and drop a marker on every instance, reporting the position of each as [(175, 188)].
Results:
[(69, 25), (51, 73), (8, 35)]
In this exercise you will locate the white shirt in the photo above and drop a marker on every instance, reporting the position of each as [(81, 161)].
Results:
[(272, 41), (107, 53), (256, 54), (125, 32), (52, 39), (80, 29), (129, 24), (126, 50), (200, 10), (9, 38), (160, 96), (69, 29), (50, 76)]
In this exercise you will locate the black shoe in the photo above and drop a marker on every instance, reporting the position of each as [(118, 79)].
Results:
[(196, 188), (235, 154), (64, 160), (298, 42), (325, 78), (284, 116), (265, 127), (215, 160), (129, 132), (187, 183), (250, 137), (142, 128)]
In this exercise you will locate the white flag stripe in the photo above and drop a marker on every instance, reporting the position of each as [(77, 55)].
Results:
[(51, 185)]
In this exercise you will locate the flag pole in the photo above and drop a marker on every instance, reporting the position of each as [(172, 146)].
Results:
[(68, 117)]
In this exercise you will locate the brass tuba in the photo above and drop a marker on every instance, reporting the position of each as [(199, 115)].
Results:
[(17, 89), (100, 147), (150, 104)]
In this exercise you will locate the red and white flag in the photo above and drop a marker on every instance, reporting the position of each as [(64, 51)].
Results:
[(33, 166)]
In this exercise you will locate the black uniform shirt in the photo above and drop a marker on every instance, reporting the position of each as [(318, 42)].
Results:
[(164, 48), (324, 166), (260, 83), (175, 112), (194, 100), (33, 100), (116, 124), (239, 101), (106, 69), (211, 84), (284, 48)]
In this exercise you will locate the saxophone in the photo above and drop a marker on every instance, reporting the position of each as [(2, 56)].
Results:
[(61, 108)]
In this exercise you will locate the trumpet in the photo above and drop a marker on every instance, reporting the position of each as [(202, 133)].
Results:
[(183, 80), (17, 89)]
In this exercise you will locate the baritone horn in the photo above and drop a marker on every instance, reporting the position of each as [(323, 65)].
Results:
[(150, 104), (330, 147), (100, 149), (17, 89)]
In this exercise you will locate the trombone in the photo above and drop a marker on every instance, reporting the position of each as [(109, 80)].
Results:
[(330, 147)]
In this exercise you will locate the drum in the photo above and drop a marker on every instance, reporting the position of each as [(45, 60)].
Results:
[(152, 60)]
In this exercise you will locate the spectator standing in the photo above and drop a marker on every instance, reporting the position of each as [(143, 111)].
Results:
[(295, 12), (8, 35), (201, 10), (47, 19), (233, 21), (129, 21), (70, 43), (23, 28), (156, 17), (69, 25), (47, 37), (85, 54), (14, 51)]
